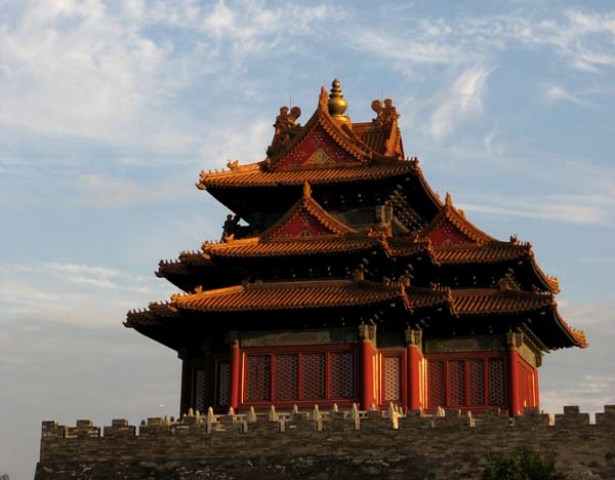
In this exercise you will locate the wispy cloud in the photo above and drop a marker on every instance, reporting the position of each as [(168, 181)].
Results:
[(557, 94), (581, 209), (84, 69), (73, 293), (103, 190), (460, 101)]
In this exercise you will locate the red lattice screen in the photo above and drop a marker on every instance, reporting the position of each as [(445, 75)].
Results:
[(436, 384), (497, 382), (341, 383), (467, 382), (258, 378), (392, 378), (200, 389), (224, 384), (299, 376), (313, 370), (285, 377), (456, 383), (476, 382)]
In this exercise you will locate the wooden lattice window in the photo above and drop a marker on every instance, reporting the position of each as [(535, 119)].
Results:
[(258, 378), (285, 376), (224, 384), (200, 390), (391, 378), (436, 383), (497, 382), (313, 376), (476, 381), (466, 382), (456, 383), (299, 376), (341, 382)]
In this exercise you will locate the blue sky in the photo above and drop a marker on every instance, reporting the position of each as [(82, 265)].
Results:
[(109, 109)]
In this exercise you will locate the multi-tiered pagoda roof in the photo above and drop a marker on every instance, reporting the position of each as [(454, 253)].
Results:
[(336, 228)]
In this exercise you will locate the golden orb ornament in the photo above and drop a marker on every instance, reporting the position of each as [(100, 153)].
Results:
[(337, 104)]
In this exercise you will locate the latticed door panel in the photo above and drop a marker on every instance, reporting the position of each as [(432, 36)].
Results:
[(392, 379), (258, 378), (497, 382), (313, 368), (341, 368), (456, 383), (436, 384), (224, 384), (466, 382), (285, 377), (476, 382), (200, 390)]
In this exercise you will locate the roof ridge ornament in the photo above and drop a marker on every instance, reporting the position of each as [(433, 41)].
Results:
[(286, 128), (385, 114), (337, 104)]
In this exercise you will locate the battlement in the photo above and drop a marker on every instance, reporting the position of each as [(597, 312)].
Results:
[(386, 443)]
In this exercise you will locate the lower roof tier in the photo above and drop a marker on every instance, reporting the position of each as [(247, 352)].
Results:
[(310, 303)]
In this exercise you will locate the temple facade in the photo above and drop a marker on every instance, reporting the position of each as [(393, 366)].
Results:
[(342, 278)]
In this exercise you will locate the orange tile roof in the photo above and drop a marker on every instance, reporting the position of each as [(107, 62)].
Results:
[(289, 295), (259, 177), (490, 301), (357, 293), (492, 252), (379, 139), (255, 247)]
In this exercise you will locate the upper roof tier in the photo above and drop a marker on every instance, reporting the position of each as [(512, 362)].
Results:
[(328, 151)]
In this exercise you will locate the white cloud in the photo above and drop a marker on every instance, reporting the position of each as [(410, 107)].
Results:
[(73, 293), (581, 209), (557, 93), (461, 101), (84, 69), (103, 190)]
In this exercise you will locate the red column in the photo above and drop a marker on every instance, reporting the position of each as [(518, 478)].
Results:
[(186, 399), (235, 374), (367, 334), (414, 340), (414, 372), (513, 367), (367, 354), (536, 394)]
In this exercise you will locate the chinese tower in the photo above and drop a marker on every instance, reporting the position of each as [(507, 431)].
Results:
[(342, 278)]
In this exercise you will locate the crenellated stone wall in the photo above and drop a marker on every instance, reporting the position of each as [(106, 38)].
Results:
[(321, 445)]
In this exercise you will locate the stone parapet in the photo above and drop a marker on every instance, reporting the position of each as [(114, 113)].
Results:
[(389, 444)]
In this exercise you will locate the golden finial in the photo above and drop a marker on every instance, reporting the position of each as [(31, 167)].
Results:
[(337, 104), (307, 190)]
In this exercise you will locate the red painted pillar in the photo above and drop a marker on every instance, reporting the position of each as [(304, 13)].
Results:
[(186, 399), (367, 335), (536, 392), (513, 340), (414, 372), (367, 353), (235, 361), (414, 340)]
